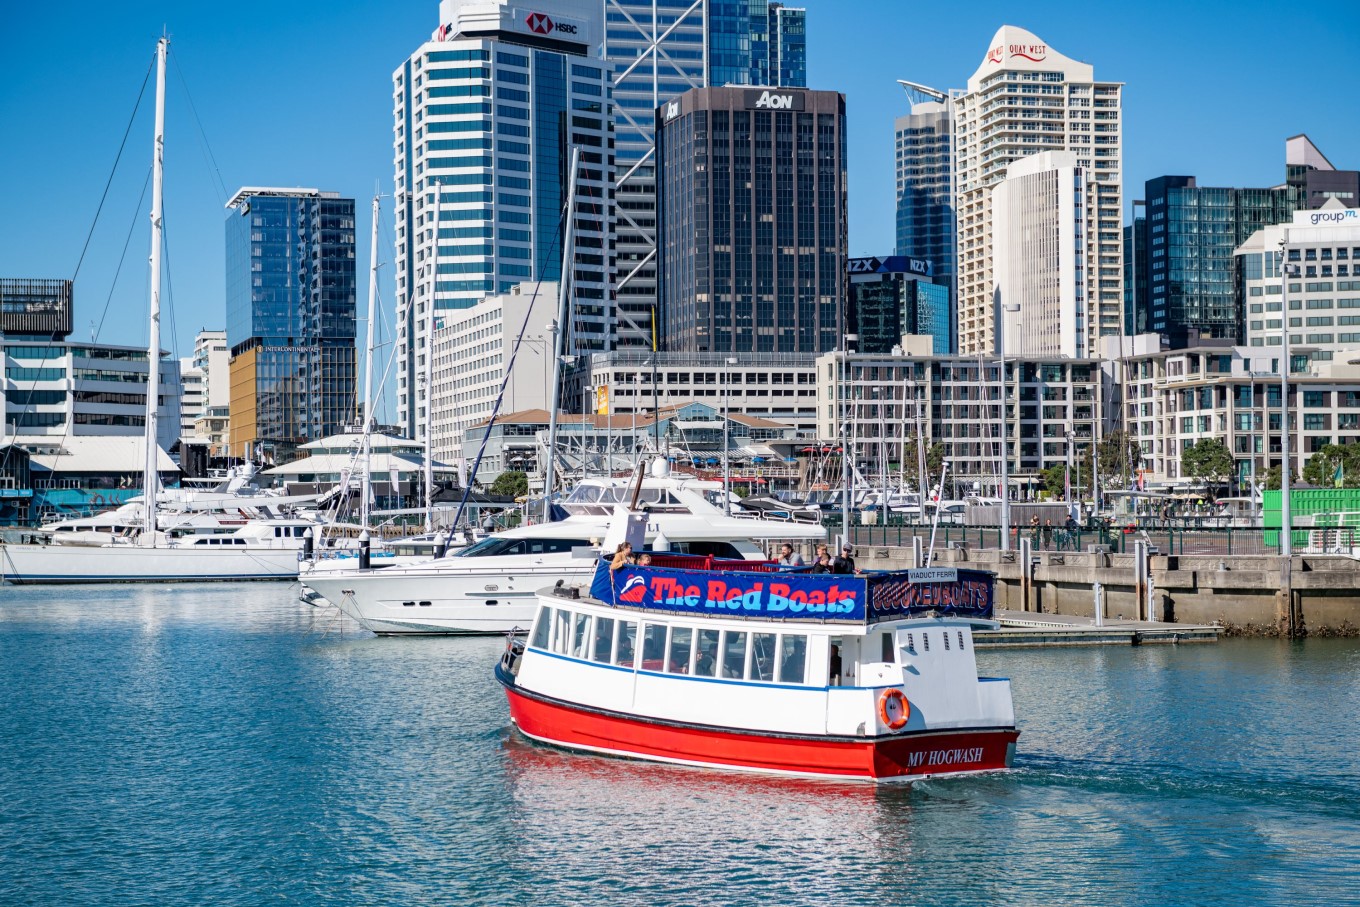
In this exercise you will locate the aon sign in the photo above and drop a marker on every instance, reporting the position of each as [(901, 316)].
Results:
[(774, 100)]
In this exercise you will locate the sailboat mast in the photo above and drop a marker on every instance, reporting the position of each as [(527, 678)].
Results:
[(153, 364), (366, 482), (560, 335), (428, 376)]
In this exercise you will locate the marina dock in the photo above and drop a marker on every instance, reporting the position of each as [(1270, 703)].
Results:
[(1025, 628)]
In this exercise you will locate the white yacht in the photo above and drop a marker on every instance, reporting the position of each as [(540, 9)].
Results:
[(489, 587)]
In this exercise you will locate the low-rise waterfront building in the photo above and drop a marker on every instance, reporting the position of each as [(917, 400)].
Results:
[(778, 387), (1050, 408)]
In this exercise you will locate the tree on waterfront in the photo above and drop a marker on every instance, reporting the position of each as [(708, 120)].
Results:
[(1207, 459), (934, 461), (512, 483), (1323, 467), (1055, 479), (1120, 456), (1273, 477)]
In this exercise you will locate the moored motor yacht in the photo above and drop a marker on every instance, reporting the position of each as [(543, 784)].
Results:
[(743, 666), (489, 587)]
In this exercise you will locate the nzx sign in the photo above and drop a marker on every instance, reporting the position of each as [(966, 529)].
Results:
[(766, 99), (893, 264)]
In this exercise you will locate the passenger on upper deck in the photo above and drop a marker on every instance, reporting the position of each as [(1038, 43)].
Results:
[(845, 563), (788, 557), (822, 562), (621, 555)]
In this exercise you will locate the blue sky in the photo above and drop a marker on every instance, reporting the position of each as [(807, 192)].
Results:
[(299, 94)]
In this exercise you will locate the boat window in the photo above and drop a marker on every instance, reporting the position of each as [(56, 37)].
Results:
[(762, 656), (960, 640), (792, 658), (603, 647), (682, 642), (627, 646), (539, 639), (561, 636), (734, 654), (886, 644), (653, 647), (484, 548), (299, 531), (551, 545), (580, 624), (706, 662), (701, 548)]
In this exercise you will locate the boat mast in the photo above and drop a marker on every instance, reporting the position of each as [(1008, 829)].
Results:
[(366, 483), (153, 364), (428, 376), (560, 335)]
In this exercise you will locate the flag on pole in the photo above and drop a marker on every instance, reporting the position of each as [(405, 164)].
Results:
[(1339, 477), (1067, 482)]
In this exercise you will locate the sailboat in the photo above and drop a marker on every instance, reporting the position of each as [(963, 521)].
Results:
[(264, 552)]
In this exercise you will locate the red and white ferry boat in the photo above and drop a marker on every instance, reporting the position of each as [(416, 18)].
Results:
[(743, 665)]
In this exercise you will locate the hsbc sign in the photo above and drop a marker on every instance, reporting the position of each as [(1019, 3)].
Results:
[(775, 100), (541, 24)]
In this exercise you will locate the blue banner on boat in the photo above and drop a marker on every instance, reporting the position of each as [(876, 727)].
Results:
[(793, 595), (774, 595)]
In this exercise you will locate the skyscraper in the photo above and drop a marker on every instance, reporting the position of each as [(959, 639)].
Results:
[(290, 318), (490, 109), (752, 218), (1026, 98), (925, 199), (657, 50)]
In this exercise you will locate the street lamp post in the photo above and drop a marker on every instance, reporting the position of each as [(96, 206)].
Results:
[(727, 475), (1004, 445), (847, 412), (1286, 271)]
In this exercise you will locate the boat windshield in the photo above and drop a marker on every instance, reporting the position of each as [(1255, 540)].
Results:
[(496, 547)]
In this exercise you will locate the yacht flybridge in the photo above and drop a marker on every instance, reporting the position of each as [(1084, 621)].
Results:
[(489, 587)]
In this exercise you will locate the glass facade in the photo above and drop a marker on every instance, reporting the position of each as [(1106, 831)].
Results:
[(752, 223), (925, 199), (1192, 232), (290, 319), (882, 307), (734, 42)]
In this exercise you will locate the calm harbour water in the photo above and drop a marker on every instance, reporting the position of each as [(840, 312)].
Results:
[(230, 745)]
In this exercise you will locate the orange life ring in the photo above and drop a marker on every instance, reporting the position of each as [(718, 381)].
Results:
[(901, 708)]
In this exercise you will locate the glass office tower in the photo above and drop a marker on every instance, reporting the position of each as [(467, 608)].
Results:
[(656, 51), (752, 220), (1188, 265), (290, 319), (925, 194), (892, 296), (488, 110)]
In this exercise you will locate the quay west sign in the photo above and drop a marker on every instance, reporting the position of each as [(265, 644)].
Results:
[(778, 99), (1035, 53)]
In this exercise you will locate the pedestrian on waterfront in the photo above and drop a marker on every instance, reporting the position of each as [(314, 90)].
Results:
[(845, 563), (788, 557), (1034, 529), (621, 555), (1048, 533)]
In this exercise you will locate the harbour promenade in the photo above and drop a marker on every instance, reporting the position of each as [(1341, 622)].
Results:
[(1254, 594)]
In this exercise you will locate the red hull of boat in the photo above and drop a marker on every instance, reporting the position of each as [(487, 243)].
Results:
[(904, 756)]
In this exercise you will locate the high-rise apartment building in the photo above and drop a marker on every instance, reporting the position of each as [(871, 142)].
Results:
[(656, 50), (35, 307), (290, 318), (1026, 98), (488, 112), (1041, 217), (752, 220), (925, 191)]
